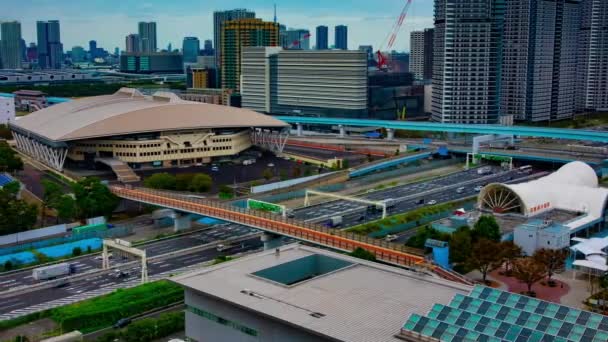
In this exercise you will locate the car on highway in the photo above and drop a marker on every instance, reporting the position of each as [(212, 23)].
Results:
[(420, 201), (391, 237), (431, 202), (121, 323), (478, 188), (221, 248), (118, 274), (270, 165), (215, 168), (460, 190)]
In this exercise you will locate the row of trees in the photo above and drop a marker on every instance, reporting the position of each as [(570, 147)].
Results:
[(195, 182), (9, 159), (89, 198)]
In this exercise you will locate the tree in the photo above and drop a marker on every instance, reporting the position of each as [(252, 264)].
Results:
[(509, 252), (460, 245), (183, 181), (345, 164), (162, 180), (283, 174), (528, 271), (9, 159), (76, 251), (296, 172), (551, 259), (267, 173), (201, 183), (424, 233), (8, 265), (363, 254), (66, 208), (93, 198), (50, 197), (486, 227), (485, 256), (15, 215)]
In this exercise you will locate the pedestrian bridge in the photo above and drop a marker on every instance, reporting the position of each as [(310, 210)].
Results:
[(309, 232), (524, 131)]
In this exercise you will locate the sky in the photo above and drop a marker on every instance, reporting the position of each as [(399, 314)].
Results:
[(109, 21)]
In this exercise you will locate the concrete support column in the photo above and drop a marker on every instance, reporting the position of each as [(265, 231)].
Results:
[(181, 222), (390, 134), (299, 130), (342, 131), (271, 241)]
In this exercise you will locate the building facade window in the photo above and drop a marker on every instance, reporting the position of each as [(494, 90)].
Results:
[(223, 321)]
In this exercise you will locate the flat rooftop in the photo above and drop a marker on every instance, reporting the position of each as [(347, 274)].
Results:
[(327, 293)]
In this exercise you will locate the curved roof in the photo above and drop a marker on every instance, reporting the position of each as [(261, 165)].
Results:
[(128, 111), (574, 187)]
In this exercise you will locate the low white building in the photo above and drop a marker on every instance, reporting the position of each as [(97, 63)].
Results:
[(573, 189), (537, 234), (7, 109)]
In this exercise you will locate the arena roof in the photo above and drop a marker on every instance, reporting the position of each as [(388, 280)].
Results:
[(128, 111), (574, 187)]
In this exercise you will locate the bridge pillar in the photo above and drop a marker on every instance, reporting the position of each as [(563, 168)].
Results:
[(271, 241), (181, 222), (390, 134), (342, 131), (299, 129)]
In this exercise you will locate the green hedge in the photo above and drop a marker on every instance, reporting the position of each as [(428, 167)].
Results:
[(101, 312), (148, 329)]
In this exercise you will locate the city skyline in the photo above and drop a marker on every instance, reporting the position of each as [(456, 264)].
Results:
[(367, 24)]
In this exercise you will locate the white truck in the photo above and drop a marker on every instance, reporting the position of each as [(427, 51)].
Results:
[(51, 271), (335, 221)]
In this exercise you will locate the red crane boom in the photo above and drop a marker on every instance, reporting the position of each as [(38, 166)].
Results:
[(392, 36), (296, 43)]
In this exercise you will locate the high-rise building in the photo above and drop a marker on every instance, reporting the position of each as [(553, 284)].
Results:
[(369, 50), (240, 33), (283, 36), (341, 37), (50, 49), (328, 83), (421, 54), (10, 45), (132, 43), (219, 17), (208, 48), (190, 49), (23, 48), (78, 54), (322, 38), (539, 59), (593, 57), (31, 53), (467, 60), (93, 49), (147, 36), (297, 39)]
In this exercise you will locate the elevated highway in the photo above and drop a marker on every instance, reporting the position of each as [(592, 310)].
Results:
[(523, 131), (304, 231)]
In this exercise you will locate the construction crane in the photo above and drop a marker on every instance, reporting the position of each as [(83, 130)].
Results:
[(298, 42), (391, 37)]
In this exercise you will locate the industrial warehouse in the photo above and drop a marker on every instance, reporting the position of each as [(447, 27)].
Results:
[(129, 130)]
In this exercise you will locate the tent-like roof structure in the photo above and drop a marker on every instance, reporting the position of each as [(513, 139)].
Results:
[(128, 111), (574, 187)]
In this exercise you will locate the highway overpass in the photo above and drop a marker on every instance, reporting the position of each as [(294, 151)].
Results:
[(523, 131), (388, 252)]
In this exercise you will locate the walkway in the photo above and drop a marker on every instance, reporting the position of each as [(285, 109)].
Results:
[(304, 231)]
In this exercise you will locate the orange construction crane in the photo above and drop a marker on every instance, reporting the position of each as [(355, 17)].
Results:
[(391, 37)]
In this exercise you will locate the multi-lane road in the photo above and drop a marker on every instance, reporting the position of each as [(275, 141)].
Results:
[(99, 283), (408, 197)]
